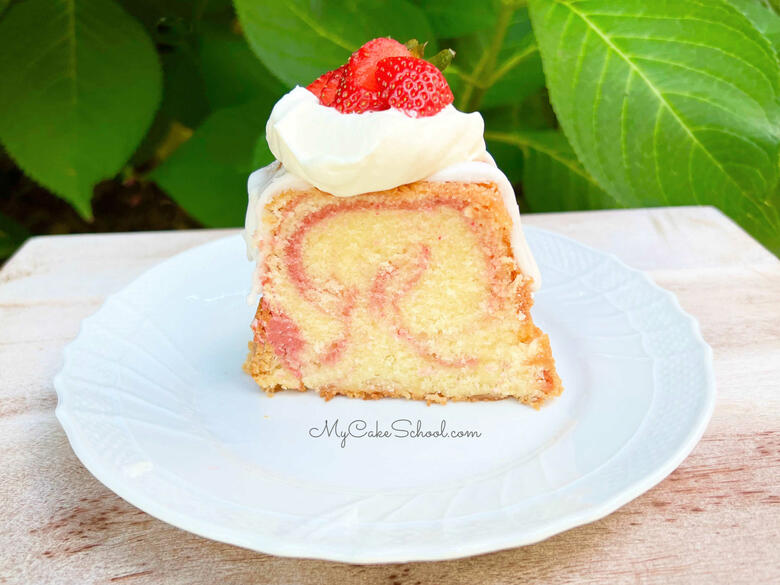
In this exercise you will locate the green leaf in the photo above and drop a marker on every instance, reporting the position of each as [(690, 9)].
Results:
[(667, 102), (535, 113), (213, 69), (3, 5), (184, 101), (207, 175), (12, 235), (772, 242), (508, 158), (231, 71), (553, 178), (81, 82), (262, 155), (518, 68), (457, 18), (763, 18), (152, 12), (163, 17), (299, 40)]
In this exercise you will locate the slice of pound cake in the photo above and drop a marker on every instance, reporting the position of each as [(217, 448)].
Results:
[(389, 252)]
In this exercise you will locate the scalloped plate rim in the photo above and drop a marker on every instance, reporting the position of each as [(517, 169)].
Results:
[(273, 546)]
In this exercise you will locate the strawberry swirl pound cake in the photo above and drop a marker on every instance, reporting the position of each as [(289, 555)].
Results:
[(390, 259)]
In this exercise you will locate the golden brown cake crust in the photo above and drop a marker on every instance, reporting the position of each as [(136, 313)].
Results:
[(482, 206), (261, 361)]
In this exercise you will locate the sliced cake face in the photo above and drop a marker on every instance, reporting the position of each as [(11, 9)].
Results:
[(388, 245), (412, 292)]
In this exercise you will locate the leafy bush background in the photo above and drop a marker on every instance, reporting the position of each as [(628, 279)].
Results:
[(588, 104)]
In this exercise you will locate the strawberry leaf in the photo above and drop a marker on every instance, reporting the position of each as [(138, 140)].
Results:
[(416, 48), (442, 59)]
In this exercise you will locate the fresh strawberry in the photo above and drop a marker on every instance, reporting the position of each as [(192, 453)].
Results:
[(352, 99), (332, 86), (327, 84), (413, 85), (361, 66), (383, 73), (316, 86)]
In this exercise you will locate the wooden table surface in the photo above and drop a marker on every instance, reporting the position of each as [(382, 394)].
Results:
[(716, 519)]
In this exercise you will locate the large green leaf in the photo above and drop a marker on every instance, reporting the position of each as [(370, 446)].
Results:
[(184, 101), (553, 178), (231, 71), (212, 69), (81, 82), (508, 158), (261, 156), (456, 18), (518, 70), (166, 19), (207, 175), (516, 74), (533, 114), (503, 120), (763, 18), (299, 40), (667, 102), (153, 13)]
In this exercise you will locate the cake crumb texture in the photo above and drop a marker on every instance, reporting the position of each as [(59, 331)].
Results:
[(408, 293)]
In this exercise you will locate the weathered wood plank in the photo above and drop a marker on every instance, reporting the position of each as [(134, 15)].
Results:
[(714, 520)]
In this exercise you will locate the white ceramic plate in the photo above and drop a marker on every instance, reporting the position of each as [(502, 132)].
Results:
[(154, 402)]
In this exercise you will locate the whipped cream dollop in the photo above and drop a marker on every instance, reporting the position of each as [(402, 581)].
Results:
[(349, 154)]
